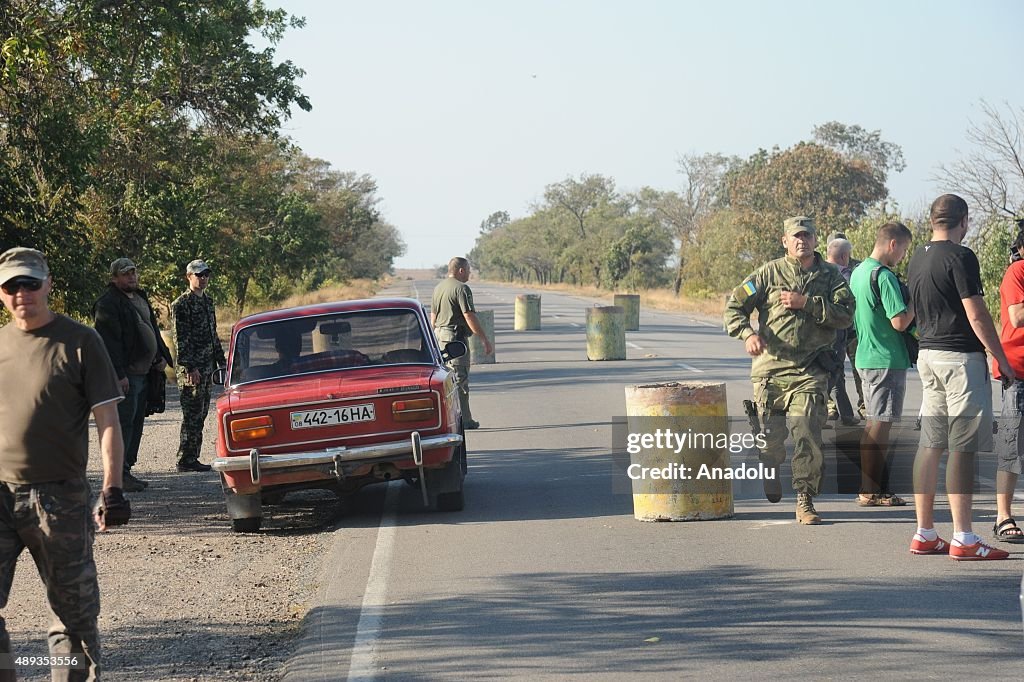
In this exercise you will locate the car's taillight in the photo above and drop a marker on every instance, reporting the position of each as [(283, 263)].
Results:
[(252, 428), (412, 410)]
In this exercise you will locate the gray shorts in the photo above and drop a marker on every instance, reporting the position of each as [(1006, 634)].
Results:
[(956, 402), (1009, 441), (884, 390)]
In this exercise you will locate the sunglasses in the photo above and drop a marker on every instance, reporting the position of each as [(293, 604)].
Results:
[(15, 285), (204, 275)]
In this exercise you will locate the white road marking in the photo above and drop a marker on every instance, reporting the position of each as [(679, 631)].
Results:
[(574, 324), (363, 664), (689, 367), (702, 323), (764, 524), (633, 345)]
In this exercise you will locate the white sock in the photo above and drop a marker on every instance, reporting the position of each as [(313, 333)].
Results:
[(928, 534), (968, 538)]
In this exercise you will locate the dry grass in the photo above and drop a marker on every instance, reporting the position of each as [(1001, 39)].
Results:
[(657, 299)]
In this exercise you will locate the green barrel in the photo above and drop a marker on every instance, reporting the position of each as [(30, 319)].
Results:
[(477, 355), (527, 312), (630, 304), (606, 333)]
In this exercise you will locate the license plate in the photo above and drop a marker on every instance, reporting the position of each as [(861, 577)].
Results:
[(349, 414)]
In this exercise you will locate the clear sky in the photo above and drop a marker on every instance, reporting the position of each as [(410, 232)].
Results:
[(460, 108)]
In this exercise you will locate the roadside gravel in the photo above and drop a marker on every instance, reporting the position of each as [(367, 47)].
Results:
[(183, 597)]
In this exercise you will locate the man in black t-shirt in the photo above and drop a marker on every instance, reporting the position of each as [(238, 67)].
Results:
[(955, 330)]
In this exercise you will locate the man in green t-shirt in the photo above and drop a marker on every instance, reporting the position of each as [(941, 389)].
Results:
[(882, 358), (453, 317)]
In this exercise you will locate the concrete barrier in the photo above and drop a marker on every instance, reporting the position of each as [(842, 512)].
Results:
[(606, 333), (693, 410), (630, 304), (527, 312), (477, 355)]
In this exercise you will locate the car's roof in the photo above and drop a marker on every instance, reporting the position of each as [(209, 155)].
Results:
[(327, 309)]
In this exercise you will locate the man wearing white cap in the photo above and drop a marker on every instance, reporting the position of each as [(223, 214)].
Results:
[(199, 354), (54, 372)]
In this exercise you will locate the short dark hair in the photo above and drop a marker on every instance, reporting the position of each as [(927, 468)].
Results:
[(890, 231), (947, 211), (456, 263)]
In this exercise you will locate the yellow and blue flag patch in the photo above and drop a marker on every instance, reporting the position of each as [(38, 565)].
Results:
[(749, 287)]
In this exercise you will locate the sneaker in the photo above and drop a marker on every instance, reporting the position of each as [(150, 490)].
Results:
[(132, 484), (470, 424), (193, 465), (917, 424), (805, 512), (850, 421), (772, 486), (833, 416), (979, 551), (921, 546)]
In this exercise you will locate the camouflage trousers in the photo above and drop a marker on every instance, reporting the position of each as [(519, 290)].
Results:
[(195, 405), (54, 521), (461, 368), (794, 403)]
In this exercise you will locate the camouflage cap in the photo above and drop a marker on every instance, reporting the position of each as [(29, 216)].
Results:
[(121, 265), (22, 262), (800, 223), (195, 267)]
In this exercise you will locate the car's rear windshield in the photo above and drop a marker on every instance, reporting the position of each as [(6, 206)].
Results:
[(305, 345)]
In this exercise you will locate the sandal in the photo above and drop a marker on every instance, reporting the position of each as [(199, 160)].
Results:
[(890, 500), (866, 500), (1007, 530)]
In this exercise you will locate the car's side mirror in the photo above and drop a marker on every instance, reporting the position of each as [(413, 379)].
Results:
[(454, 349), (220, 375)]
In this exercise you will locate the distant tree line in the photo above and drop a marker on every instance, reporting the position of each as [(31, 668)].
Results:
[(726, 218), (152, 129)]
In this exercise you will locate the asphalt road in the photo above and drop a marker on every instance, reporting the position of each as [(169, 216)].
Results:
[(546, 574)]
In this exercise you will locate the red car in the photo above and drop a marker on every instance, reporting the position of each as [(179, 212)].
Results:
[(338, 396)]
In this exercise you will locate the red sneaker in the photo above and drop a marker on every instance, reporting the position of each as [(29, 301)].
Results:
[(979, 551), (921, 546)]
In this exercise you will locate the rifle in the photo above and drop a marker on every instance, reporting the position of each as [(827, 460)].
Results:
[(755, 420)]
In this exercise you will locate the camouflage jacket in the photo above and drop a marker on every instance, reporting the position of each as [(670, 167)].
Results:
[(195, 333), (793, 338)]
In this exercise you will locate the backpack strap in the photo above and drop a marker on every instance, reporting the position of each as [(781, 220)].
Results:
[(875, 273)]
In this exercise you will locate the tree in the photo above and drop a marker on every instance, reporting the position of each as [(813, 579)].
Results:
[(991, 174), (857, 144), (496, 220)]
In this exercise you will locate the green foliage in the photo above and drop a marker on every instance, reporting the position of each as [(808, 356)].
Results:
[(992, 246), (150, 129)]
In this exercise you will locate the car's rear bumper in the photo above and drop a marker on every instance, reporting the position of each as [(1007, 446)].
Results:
[(256, 463)]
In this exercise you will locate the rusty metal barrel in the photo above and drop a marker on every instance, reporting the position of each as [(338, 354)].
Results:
[(606, 333), (477, 355), (527, 312), (678, 444), (630, 304)]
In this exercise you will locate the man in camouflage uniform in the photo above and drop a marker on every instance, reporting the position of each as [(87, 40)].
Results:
[(801, 301), (199, 354)]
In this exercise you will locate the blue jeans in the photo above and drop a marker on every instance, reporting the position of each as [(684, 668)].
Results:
[(131, 412)]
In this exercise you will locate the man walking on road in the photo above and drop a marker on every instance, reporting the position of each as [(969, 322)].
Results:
[(199, 354), (453, 316), (801, 301), (54, 372), (955, 331), (882, 357), (127, 324)]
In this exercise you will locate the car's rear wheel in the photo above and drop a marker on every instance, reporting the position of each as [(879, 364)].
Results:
[(246, 525)]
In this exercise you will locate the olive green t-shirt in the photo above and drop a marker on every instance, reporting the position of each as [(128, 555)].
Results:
[(147, 338), (451, 299), (50, 380)]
